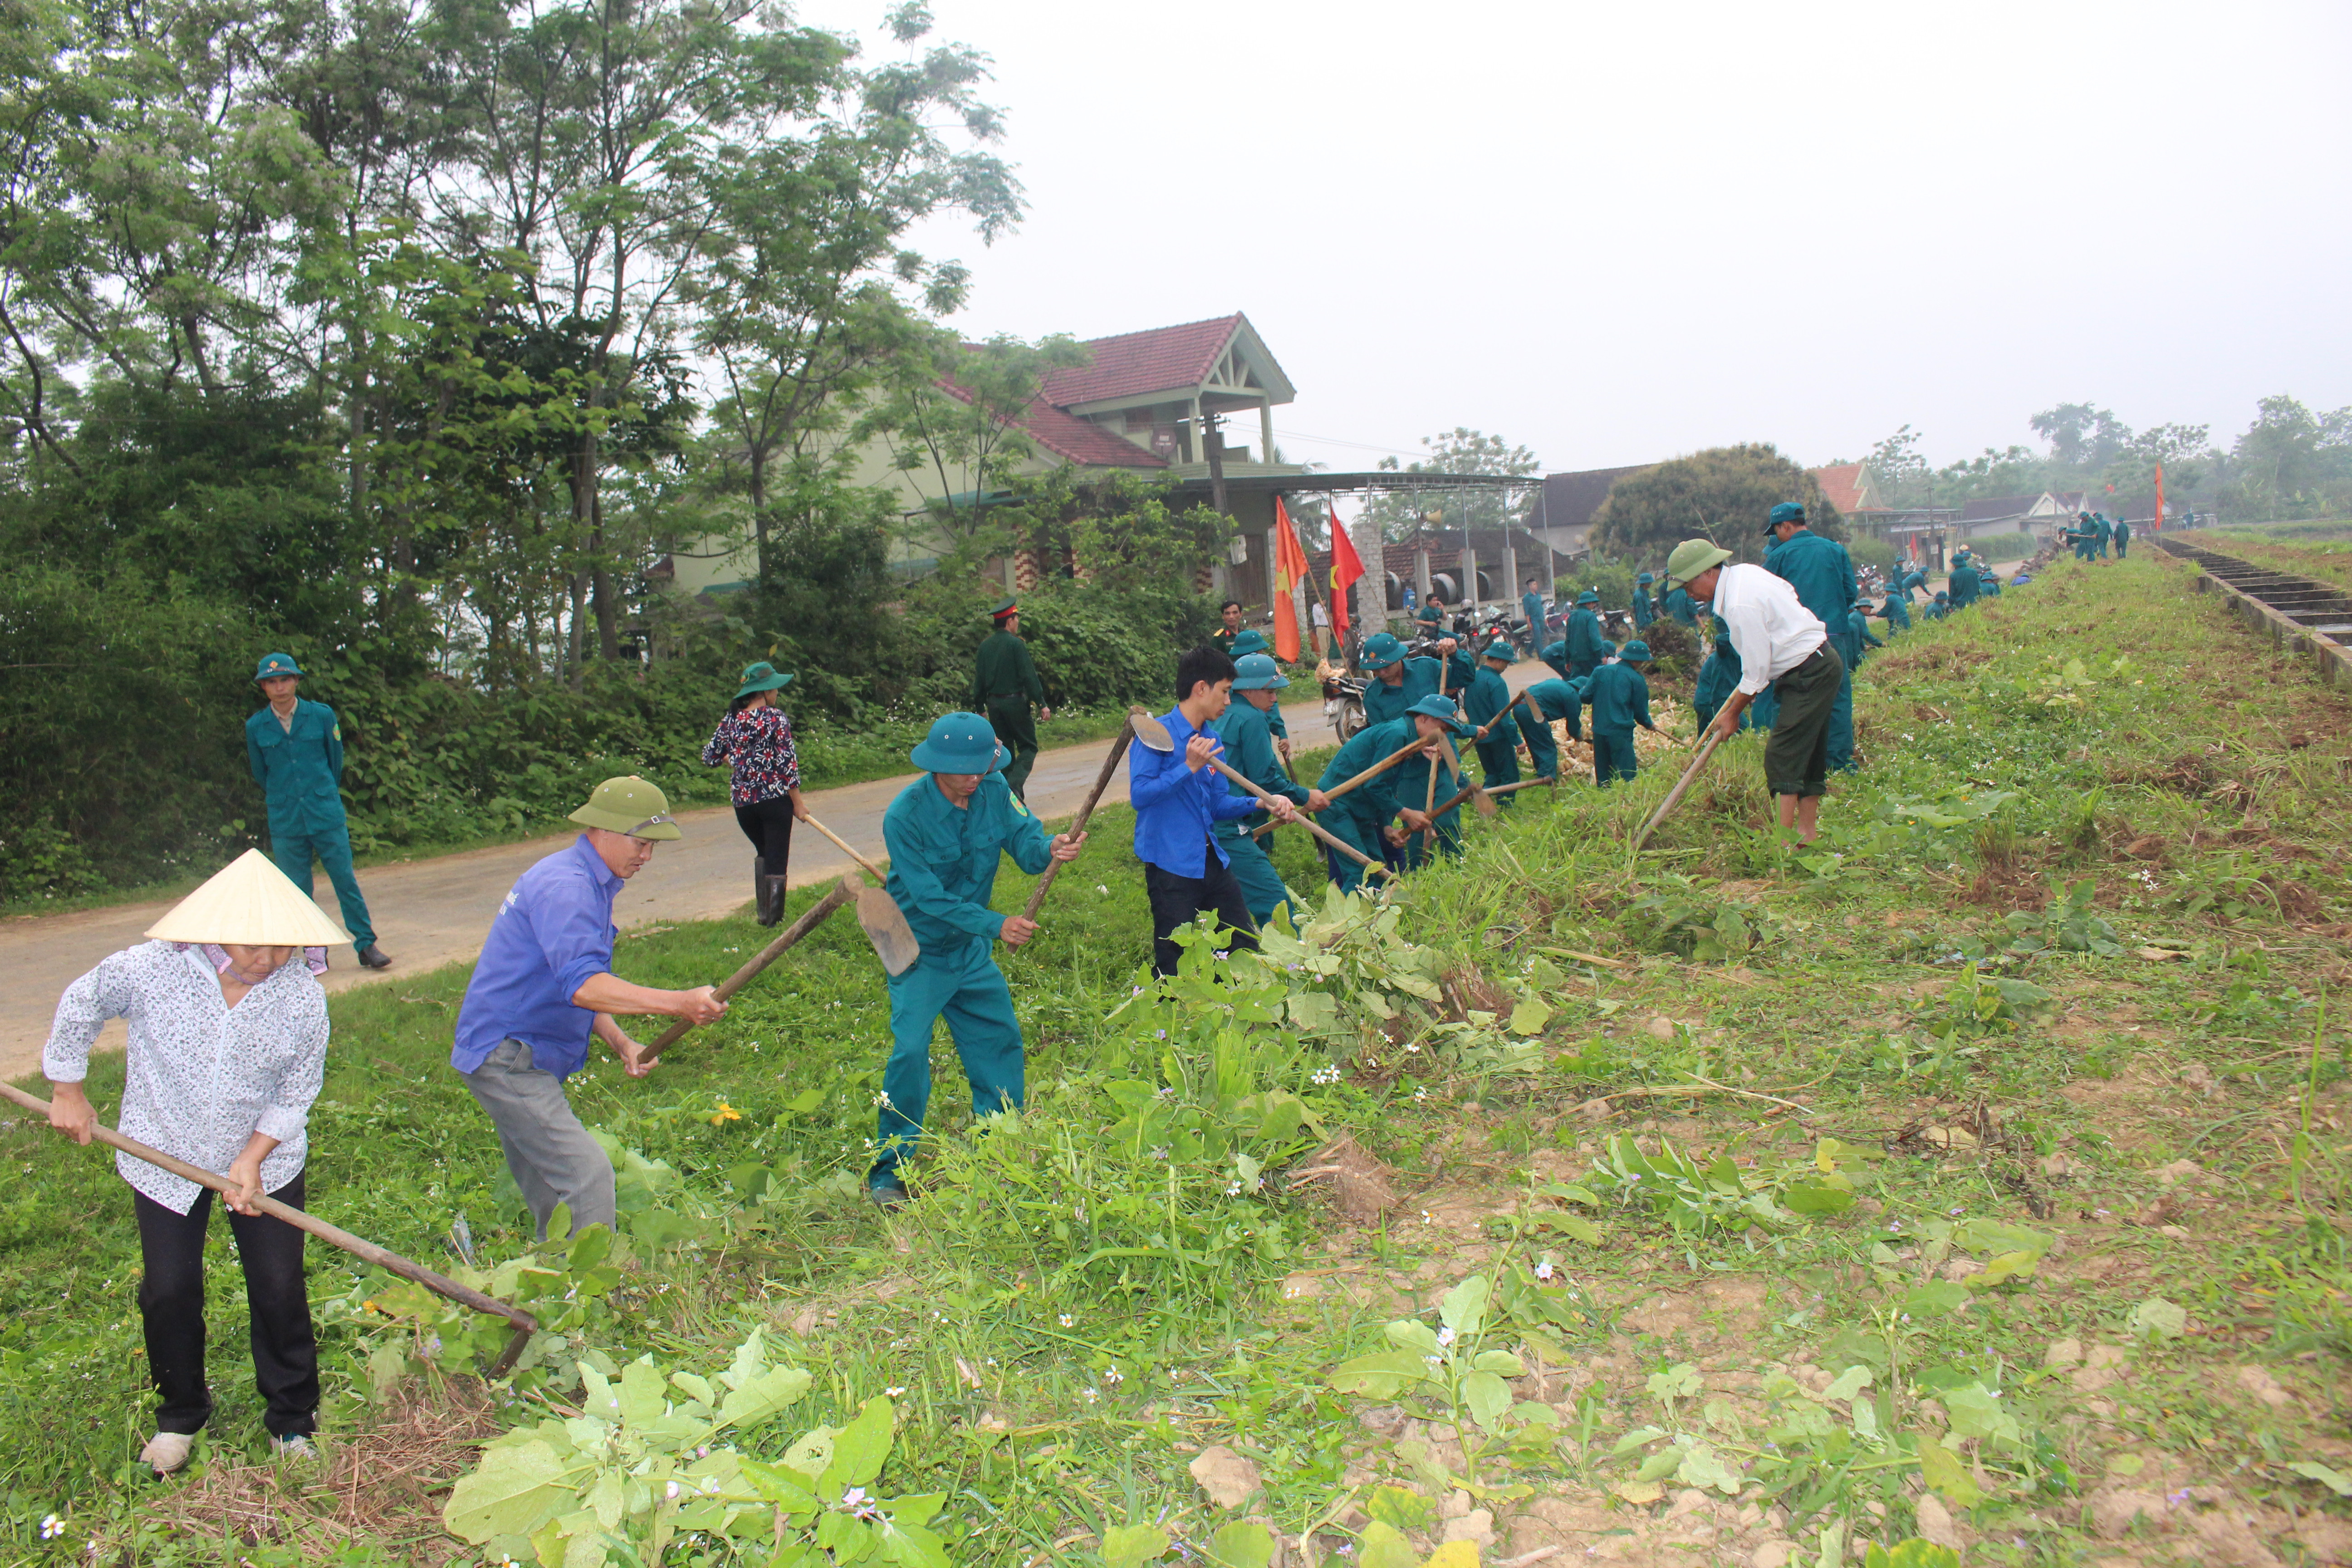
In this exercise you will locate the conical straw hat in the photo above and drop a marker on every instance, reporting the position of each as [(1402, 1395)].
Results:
[(249, 901)]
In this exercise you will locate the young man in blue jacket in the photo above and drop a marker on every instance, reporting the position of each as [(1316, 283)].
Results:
[(1179, 800), (945, 833)]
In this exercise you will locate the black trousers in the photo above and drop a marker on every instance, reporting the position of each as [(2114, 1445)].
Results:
[(769, 827), (1176, 900), (1796, 757), (172, 1306)]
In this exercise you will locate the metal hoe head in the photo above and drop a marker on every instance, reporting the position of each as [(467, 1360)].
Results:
[(1151, 730), (886, 927)]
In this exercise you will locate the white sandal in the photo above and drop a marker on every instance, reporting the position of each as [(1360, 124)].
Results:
[(167, 1451)]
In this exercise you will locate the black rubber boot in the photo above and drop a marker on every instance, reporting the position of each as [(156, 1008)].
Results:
[(763, 905), (776, 894)]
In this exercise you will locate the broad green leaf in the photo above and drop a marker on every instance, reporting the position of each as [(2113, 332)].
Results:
[(912, 1546), (1502, 1363), (1703, 1467), (642, 1402), (1934, 1298), (511, 1493), (2335, 1480), (920, 1509), (1132, 1545), (1382, 1545), (608, 1499), (763, 1396), (1816, 1197), (2001, 1267), (596, 1396), (750, 1361), (787, 1489), (861, 1447), (1574, 1227), (1488, 1397), (1398, 1507), (1529, 1017), (808, 1100), (695, 1388), (1989, 1236), (1241, 1545), (1452, 1554), (1382, 1375), (1406, 1333), (1635, 1440), (1464, 1308), (1977, 1412), (1680, 1381), (1849, 1382), (1911, 1553), (1662, 1463), (2158, 1319), (1943, 1473)]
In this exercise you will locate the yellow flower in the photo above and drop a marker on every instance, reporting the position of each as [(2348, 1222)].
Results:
[(725, 1113)]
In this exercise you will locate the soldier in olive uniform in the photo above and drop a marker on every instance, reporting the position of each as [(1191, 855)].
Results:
[(1003, 685), (295, 751)]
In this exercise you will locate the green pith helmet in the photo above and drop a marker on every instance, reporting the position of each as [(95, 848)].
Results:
[(1690, 558), (1247, 641), (629, 805)]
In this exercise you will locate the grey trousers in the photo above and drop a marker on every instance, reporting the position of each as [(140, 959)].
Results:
[(553, 1159)]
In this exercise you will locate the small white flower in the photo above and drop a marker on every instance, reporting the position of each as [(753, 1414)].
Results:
[(1092, 1396), (1420, 1094), (1067, 1320), (1111, 1379), (1544, 1269), (1233, 1189), (1445, 1338), (1079, 1213), (894, 1392), (52, 1527), (1426, 1218), (1160, 1150), (670, 1491)]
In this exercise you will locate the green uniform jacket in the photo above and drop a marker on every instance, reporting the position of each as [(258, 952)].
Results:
[(943, 860), (1895, 614), (1383, 702), (1620, 699), (1858, 624), (1559, 699), (1586, 646), (1488, 695), (1644, 612), (1822, 572), (1249, 751), (299, 769), (1374, 804), (1003, 668)]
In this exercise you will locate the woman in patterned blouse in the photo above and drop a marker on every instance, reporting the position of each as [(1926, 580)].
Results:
[(756, 739), (227, 1047)]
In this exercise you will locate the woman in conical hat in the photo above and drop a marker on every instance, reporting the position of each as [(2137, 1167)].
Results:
[(227, 1045)]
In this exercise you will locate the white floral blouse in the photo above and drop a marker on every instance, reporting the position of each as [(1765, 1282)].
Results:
[(202, 1077)]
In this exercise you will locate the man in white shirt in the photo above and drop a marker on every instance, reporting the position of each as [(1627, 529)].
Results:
[(1782, 645)]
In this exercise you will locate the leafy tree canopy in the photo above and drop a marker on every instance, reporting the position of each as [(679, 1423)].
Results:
[(1724, 494)]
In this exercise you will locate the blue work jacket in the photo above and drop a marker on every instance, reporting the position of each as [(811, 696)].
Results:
[(1383, 702), (1586, 646), (1177, 810), (552, 935), (1620, 699), (1822, 572)]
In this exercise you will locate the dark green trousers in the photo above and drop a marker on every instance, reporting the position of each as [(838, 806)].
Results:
[(1016, 726), (1796, 757)]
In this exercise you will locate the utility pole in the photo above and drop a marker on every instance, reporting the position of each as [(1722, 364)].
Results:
[(1212, 443)]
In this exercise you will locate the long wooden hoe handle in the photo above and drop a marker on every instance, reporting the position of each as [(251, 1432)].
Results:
[(842, 891), (1675, 795), (1341, 844), (1078, 823), (1375, 771), (1453, 800), (843, 845), (525, 1325)]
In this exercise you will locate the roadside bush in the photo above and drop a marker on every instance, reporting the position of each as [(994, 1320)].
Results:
[(2004, 546)]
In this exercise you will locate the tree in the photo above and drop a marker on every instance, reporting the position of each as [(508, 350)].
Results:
[(1724, 494), (1402, 514), (1903, 475), (2081, 436), (2289, 463)]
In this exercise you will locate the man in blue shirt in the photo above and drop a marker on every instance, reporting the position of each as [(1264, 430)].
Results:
[(1179, 799), (1822, 572), (1246, 729), (544, 985), (945, 833), (296, 751), (1399, 682)]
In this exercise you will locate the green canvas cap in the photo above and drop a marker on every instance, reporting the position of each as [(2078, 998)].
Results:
[(1257, 672), (1690, 558), (629, 805), (273, 665)]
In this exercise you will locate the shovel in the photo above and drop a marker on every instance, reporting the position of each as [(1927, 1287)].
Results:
[(1675, 795), (884, 923), (1086, 809), (842, 892), (1154, 734), (525, 1325)]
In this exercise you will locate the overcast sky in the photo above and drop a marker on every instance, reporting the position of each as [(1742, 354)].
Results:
[(1619, 233)]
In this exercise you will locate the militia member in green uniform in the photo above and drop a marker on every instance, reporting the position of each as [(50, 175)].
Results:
[(1230, 615), (295, 751), (1247, 729), (945, 833), (1003, 685)]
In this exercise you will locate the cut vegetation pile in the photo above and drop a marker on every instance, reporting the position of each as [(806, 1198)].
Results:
[(1969, 1186)]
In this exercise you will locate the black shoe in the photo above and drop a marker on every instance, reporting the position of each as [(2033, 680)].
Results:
[(776, 895), (762, 905), (889, 1196), (373, 957)]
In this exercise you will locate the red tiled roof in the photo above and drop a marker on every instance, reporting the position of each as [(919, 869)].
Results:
[(1160, 360), (1078, 440), (1841, 486)]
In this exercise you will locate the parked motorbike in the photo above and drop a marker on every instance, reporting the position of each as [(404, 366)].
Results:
[(1343, 702)]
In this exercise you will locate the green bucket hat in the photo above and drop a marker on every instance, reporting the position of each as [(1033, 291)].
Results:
[(1380, 650), (275, 664), (1634, 652), (1257, 672), (958, 743), (1249, 641), (1588, 597), (1438, 707), (629, 805), (762, 677), (1503, 651), (1690, 558)]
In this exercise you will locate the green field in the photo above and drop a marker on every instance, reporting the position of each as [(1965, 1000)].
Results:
[(1975, 1177)]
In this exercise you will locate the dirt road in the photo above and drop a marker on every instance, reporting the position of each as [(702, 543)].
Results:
[(431, 913)]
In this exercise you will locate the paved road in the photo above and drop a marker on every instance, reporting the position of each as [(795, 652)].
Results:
[(436, 911)]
